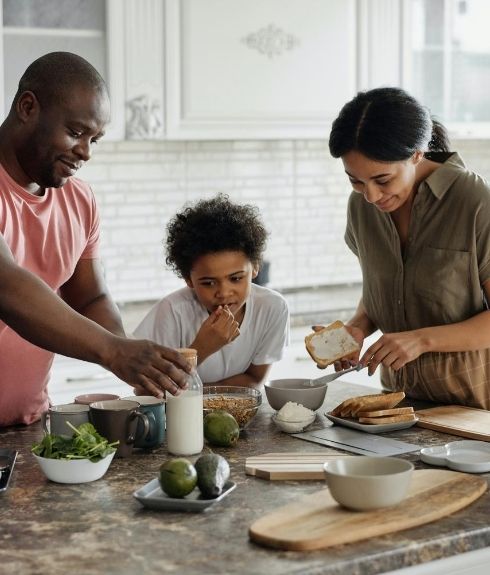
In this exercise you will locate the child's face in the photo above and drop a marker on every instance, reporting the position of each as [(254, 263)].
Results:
[(222, 278)]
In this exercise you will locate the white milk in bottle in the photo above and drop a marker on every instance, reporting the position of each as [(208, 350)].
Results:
[(185, 413)]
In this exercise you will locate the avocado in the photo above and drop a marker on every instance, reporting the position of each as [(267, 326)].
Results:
[(221, 428), (213, 472), (177, 477)]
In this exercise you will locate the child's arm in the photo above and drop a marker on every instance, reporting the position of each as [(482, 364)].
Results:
[(219, 329), (252, 377)]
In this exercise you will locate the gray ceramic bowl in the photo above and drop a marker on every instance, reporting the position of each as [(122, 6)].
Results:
[(364, 482), (280, 391)]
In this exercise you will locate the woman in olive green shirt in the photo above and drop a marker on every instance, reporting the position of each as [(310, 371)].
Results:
[(419, 222)]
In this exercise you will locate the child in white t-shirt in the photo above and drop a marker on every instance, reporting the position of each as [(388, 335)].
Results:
[(238, 328)]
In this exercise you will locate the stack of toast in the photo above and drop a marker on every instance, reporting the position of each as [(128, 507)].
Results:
[(376, 409)]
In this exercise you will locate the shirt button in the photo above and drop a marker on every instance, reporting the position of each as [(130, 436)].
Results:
[(399, 302)]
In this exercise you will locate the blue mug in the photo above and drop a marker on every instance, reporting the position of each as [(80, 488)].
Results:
[(154, 409)]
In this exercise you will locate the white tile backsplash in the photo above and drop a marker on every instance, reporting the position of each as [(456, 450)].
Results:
[(301, 191)]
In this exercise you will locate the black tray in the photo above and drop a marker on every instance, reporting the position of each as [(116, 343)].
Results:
[(10, 455)]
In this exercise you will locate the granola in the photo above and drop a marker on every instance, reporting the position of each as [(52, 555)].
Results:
[(242, 408)]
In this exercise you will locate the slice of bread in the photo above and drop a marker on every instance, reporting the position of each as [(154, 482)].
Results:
[(376, 402), (330, 344), (390, 419), (386, 412), (345, 407)]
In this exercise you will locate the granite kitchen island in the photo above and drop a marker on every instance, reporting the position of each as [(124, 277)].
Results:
[(100, 528)]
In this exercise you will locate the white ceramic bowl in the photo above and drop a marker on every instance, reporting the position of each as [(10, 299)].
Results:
[(293, 426), (74, 470), (364, 482), (303, 391)]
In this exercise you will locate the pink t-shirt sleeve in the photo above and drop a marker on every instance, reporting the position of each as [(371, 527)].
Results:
[(91, 250)]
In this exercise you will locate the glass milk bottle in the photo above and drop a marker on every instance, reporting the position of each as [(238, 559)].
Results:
[(185, 413)]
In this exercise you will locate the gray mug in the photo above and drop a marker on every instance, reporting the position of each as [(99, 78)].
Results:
[(154, 409), (58, 415), (116, 420)]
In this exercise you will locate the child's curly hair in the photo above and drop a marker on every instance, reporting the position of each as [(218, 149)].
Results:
[(211, 226)]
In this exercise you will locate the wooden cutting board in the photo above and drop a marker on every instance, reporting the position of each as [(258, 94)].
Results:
[(289, 466), (317, 521), (457, 420)]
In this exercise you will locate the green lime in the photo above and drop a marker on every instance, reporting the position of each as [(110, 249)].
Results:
[(221, 428), (177, 477)]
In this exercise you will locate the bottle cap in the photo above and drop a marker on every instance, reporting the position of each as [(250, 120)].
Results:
[(188, 352), (190, 355)]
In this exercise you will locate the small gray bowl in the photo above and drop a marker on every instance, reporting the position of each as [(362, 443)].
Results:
[(364, 482), (303, 391)]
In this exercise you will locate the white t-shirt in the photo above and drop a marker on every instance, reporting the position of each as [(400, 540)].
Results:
[(264, 333)]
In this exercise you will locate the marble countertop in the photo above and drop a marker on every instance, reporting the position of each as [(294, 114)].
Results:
[(100, 528)]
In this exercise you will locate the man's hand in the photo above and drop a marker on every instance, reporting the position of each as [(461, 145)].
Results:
[(150, 368), (219, 329)]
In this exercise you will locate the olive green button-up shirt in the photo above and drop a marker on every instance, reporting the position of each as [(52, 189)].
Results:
[(436, 280)]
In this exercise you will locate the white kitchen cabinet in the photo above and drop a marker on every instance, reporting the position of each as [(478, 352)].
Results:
[(258, 68), (91, 28), (214, 69)]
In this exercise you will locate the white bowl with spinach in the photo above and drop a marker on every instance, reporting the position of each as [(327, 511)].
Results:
[(84, 457)]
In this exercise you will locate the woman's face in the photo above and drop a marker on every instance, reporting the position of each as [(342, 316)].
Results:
[(222, 279), (387, 185)]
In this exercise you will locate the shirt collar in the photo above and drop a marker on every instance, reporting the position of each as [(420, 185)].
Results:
[(443, 177)]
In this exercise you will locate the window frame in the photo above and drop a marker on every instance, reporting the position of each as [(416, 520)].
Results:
[(458, 130)]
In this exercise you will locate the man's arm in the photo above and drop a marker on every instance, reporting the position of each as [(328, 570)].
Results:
[(86, 292), (35, 312)]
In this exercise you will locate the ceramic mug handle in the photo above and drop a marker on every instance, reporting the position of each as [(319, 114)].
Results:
[(146, 426), (44, 421)]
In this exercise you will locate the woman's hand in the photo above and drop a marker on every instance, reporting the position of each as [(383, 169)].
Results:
[(394, 350)]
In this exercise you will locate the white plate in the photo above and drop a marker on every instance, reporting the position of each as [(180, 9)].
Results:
[(467, 455), (150, 495), (371, 427)]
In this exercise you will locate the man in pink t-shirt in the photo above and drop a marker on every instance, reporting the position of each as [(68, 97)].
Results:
[(49, 235)]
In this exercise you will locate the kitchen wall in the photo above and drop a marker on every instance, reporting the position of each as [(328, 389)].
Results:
[(300, 190)]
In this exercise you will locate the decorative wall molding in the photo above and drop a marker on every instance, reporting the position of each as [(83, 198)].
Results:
[(271, 41), (145, 118), (144, 65)]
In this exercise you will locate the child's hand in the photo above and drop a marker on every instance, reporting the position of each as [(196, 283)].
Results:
[(219, 329)]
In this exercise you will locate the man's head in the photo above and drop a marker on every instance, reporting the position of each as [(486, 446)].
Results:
[(59, 111)]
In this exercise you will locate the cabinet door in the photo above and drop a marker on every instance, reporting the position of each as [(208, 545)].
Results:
[(258, 68), (90, 28)]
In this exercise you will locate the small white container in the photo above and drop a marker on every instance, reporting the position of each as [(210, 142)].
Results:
[(364, 482), (293, 426), (74, 470)]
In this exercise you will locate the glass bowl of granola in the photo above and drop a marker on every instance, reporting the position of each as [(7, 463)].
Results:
[(242, 402)]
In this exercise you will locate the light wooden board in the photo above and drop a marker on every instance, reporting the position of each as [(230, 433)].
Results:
[(289, 466), (317, 521), (457, 420)]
